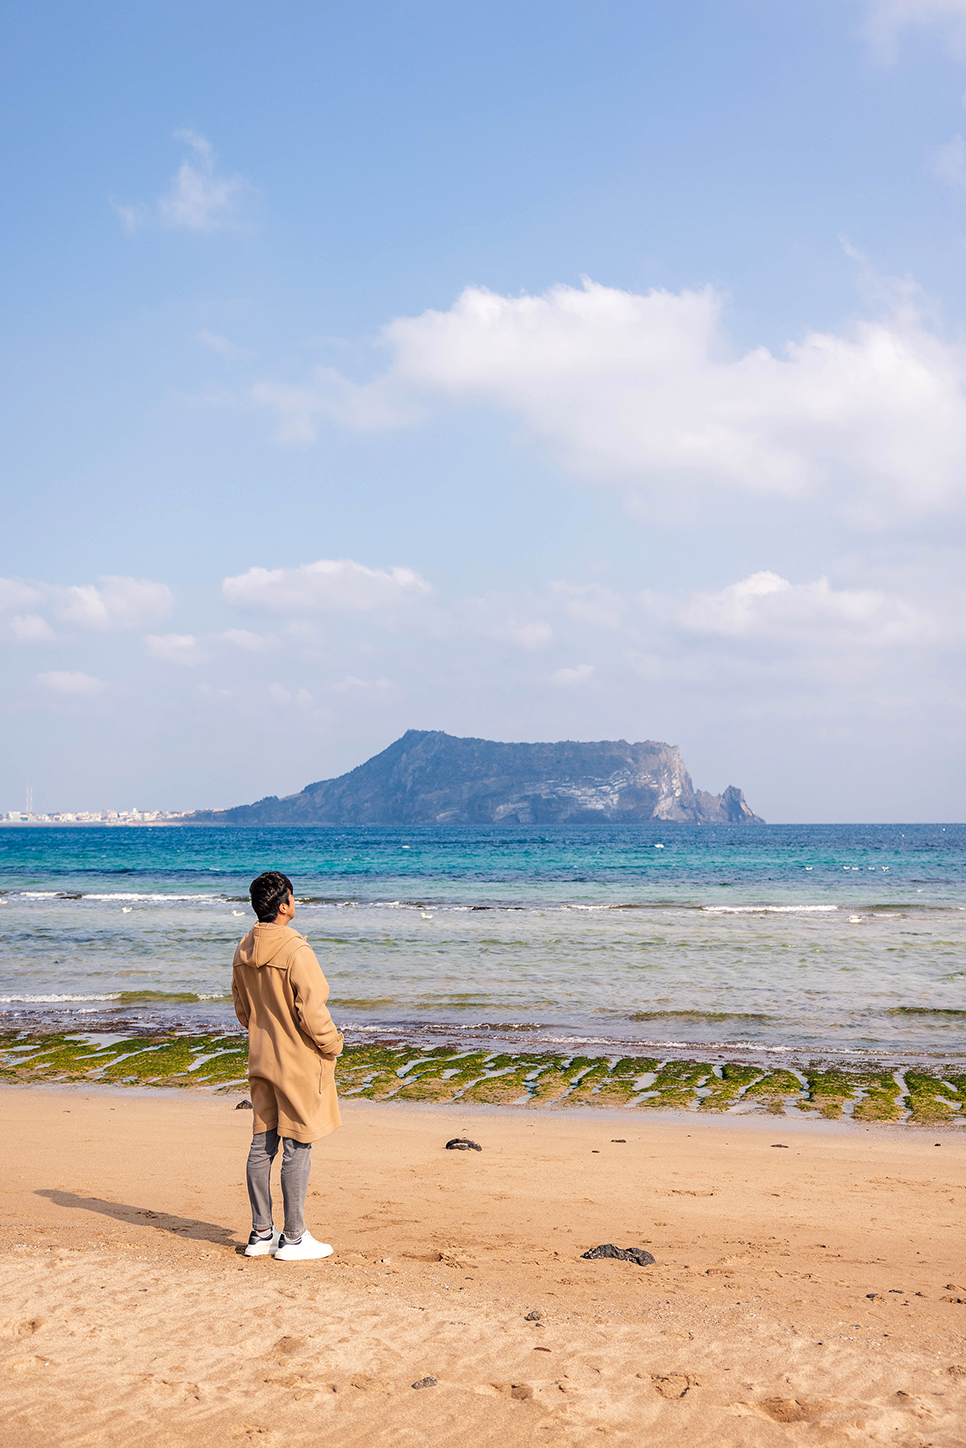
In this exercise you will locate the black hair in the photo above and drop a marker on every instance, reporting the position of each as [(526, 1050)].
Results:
[(268, 892)]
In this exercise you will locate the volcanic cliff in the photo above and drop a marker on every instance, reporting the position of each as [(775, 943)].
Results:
[(431, 778)]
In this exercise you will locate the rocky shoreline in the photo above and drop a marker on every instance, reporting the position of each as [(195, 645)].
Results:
[(392, 1072)]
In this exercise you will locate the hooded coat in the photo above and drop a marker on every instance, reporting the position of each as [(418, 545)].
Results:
[(280, 993)]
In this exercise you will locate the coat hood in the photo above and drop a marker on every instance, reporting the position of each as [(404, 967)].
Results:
[(264, 942)]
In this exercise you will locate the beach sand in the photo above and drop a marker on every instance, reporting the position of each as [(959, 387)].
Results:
[(128, 1316)]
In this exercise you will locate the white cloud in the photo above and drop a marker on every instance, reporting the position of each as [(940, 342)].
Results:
[(593, 603), (767, 606), (70, 682), (174, 648), (350, 683), (224, 346), (30, 628), (364, 407), (253, 643), (886, 20), (578, 675), (15, 594), (114, 602), (326, 584), (198, 199), (118, 603), (643, 392), (280, 695), (497, 616), (950, 163)]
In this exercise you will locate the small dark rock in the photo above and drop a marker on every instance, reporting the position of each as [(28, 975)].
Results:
[(463, 1143), (778, 1146), (425, 1383), (535, 1316), (244, 1106), (623, 1254)]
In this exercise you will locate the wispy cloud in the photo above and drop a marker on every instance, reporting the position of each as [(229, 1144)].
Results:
[(70, 681), (887, 20), (949, 163), (198, 199), (231, 351), (577, 675), (174, 648)]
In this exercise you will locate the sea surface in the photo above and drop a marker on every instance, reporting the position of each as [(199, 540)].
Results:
[(763, 943)]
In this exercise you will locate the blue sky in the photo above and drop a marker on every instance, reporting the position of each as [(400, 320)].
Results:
[(533, 371)]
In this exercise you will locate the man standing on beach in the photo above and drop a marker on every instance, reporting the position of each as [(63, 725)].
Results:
[(280, 993)]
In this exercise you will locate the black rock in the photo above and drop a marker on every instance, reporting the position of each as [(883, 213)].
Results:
[(623, 1254), (425, 1383), (244, 1106), (535, 1316), (463, 1143)]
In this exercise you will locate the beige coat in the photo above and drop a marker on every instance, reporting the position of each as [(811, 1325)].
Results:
[(280, 993)]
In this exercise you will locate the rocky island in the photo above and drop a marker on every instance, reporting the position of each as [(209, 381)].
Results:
[(431, 778)]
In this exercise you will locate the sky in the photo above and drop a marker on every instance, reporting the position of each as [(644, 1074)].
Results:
[(528, 371)]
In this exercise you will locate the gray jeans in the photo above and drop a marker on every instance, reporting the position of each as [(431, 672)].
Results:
[(296, 1165)]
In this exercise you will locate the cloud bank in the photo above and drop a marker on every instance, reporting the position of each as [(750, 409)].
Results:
[(115, 603), (644, 392)]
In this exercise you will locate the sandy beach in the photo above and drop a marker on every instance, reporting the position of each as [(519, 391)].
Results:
[(129, 1315)]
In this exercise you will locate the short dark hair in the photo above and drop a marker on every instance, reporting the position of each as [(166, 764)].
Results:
[(268, 892)]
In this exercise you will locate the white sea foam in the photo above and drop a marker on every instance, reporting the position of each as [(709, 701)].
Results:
[(54, 999), (157, 897), (767, 909)]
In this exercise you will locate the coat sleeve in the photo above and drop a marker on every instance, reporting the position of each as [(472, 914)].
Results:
[(239, 1000), (311, 993)]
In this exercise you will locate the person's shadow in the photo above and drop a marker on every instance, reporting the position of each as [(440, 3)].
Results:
[(187, 1228)]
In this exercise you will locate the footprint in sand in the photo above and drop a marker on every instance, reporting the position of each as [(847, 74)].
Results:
[(519, 1391), (673, 1385), (792, 1410)]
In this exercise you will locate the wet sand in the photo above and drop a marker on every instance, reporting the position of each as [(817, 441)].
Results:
[(128, 1316)]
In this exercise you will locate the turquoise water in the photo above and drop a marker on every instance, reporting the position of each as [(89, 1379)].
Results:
[(844, 941)]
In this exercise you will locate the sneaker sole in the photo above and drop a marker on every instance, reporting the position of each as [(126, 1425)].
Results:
[(282, 1256)]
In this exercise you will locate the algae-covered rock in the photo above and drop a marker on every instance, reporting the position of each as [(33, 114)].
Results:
[(774, 1089), (930, 1099), (725, 1091), (676, 1084), (881, 1100)]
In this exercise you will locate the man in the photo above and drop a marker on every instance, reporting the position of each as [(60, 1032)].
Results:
[(280, 993)]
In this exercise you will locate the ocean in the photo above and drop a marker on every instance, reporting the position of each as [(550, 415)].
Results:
[(808, 942)]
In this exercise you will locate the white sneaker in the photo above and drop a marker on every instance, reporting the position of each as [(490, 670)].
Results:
[(262, 1246), (305, 1249)]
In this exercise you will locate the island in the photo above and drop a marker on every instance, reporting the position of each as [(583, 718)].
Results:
[(431, 778)]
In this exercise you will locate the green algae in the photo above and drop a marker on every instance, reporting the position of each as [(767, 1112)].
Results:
[(676, 1084), (931, 1100), (218, 1061), (725, 1091), (774, 1089)]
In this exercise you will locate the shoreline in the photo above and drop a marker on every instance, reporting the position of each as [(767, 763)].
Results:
[(765, 1122), (516, 1080)]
